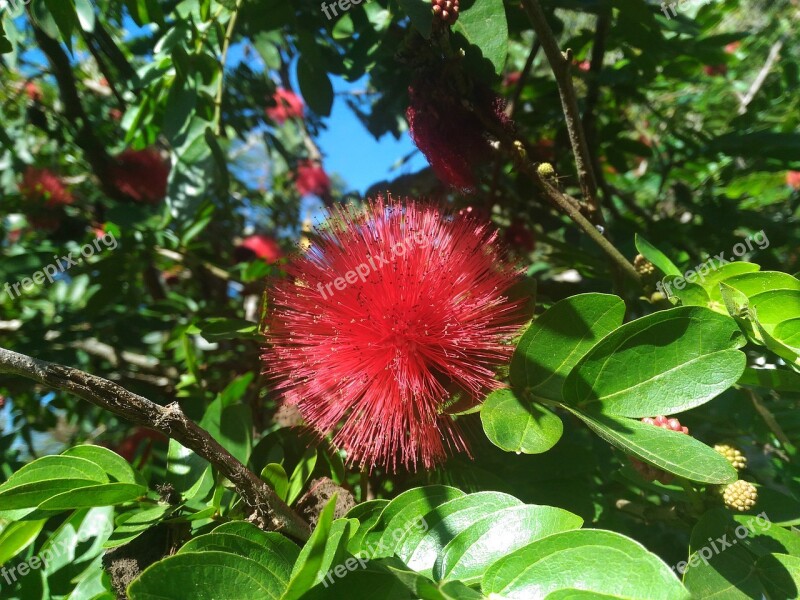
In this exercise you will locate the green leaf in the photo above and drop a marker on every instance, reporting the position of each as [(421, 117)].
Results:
[(420, 548), (668, 450), (664, 363), (112, 463), (751, 284), (482, 26), (593, 560), (133, 524), (277, 479), (5, 45), (471, 552), (208, 575), (517, 426), (315, 86), (421, 14), (780, 574), (86, 16), (559, 338), (217, 329), (277, 543), (655, 256), (691, 294), (301, 474), (15, 537), (367, 513), (63, 12), (771, 379), (108, 494), (327, 545)]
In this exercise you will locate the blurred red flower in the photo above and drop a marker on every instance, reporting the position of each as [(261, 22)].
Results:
[(395, 307), (139, 175), (288, 105), (45, 187), (261, 246), (33, 91), (712, 70), (311, 179), (793, 179), (451, 136)]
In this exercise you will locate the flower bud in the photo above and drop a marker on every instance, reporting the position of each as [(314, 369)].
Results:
[(733, 456), (740, 495)]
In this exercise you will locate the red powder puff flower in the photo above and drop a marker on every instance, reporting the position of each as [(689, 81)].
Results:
[(512, 78), (712, 70), (33, 91), (732, 47), (451, 136), (793, 179), (259, 246), (288, 105), (139, 175), (395, 306), (44, 187), (311, 179), (583, 65)]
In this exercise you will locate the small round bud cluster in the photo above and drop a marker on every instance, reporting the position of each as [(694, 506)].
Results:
[(740, 495), (643, 266), (733, 456), (446, 10), (649, 472), (666, 423), (546, 171)]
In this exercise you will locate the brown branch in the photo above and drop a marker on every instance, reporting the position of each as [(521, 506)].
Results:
[(513, 104), (561, 64), (269, 509), (85, 137)]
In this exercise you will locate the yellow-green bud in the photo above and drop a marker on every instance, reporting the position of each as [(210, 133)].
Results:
[(733, 455), (546, 171), (740, 495), (643, 266)]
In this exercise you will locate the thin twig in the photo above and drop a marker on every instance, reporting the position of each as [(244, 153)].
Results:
[(761, 77), (170, 420), (222, 61), (513, 104), (561, 65)]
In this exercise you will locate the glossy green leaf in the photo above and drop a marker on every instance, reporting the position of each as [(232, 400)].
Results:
[(208, 575), (301, 474), (593, 560), (107, 494), (515, 425), (276, 477), (671, 451), (420, 548), (655, 256), (116, 467), (559, 338), (15, 537), (664, 363), (132, 524), (474, 550), (484, 27)]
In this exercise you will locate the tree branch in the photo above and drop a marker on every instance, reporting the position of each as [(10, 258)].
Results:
[(170, 421), (561, 65), (761, 77)]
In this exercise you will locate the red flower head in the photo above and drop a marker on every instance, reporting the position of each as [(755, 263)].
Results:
[(140, 175), (33, 91), (712, 70), (44, 187), (259, 246), (450, 135), (518, 236), (288, 105), (512, 78), (394, 307), (311, 179), (583, 65), (793, 179), (732, 47)]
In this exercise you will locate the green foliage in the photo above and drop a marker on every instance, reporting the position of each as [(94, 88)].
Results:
[(693, 143)]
